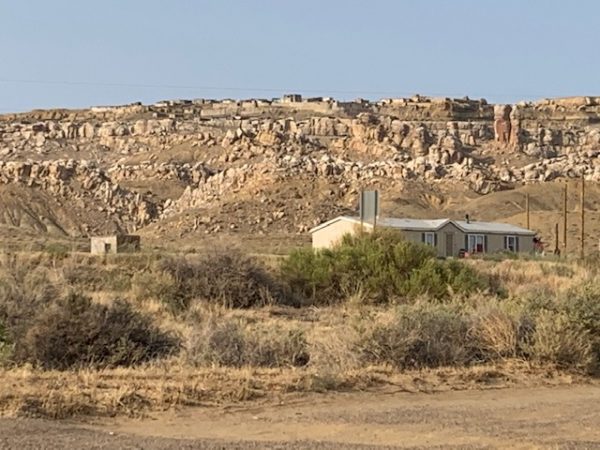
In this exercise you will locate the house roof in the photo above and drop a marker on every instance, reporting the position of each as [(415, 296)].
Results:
[(413, 224), (491, 227), (335, 219), (436, 224)]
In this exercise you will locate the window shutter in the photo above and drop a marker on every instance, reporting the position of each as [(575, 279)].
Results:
[(485, 243), (435, 239), (505, 242), (516, 243), (467, 243), (423, 238)]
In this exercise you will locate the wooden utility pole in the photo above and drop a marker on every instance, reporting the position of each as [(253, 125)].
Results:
[(582, 216), (556, 248), (565, 219), (527, 211)]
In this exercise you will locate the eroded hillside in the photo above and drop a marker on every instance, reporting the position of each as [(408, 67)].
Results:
[(184, 170)]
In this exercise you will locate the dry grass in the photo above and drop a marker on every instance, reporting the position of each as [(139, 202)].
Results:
[(228, 342), (565, 344), (521, 277), (416, 336), (497, 334), (491, 335), (135, 392)]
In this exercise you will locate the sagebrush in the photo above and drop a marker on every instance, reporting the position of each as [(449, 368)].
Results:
[(416, 336), (228, 278), (387, 302), (74, 332), (222, 341)]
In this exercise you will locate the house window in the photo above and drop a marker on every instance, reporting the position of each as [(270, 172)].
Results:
[(476, 243), (511, 243), (429, 239)]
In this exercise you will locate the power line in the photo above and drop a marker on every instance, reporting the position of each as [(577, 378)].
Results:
[(194, 87), (390, 93)]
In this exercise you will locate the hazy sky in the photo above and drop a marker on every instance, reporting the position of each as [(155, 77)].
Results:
[(80, 53)]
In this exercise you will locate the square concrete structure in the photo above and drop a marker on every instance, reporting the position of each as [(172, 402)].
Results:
[(450, 237), (291, 98), (118, 243)]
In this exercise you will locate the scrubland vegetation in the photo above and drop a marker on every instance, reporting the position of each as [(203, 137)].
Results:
[(180, 330)]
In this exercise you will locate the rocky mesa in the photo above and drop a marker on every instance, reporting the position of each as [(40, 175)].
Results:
[(254, 167)]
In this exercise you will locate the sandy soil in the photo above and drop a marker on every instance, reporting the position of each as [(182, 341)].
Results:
[(557, 417)]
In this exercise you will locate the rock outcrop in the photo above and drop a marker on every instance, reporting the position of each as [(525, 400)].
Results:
[(206, 154)]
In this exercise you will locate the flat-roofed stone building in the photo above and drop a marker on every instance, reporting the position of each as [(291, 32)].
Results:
[(117, 243)]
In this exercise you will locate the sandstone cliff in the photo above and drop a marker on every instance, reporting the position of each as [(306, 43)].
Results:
[(256, 166)]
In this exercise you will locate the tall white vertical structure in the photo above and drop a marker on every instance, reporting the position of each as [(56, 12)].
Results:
[(369, 207)]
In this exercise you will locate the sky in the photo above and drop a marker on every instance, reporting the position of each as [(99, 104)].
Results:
[(69, 53)]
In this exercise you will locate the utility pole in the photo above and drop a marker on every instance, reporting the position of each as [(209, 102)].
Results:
[(582, 216), (527, 211), (556, 249), (565, 219)]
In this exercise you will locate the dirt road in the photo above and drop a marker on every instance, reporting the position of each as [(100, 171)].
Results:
[(558, 417)]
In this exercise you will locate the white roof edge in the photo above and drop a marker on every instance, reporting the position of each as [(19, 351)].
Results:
[(335, 219), (443, 224), (516, 230), (507, 232), (416, 227)]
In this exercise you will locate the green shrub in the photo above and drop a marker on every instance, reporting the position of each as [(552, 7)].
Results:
[(74, 332), (440, 279), (310, 274), (232, 343), (464, 279), (383, 266), (430, 279), (416, 336)]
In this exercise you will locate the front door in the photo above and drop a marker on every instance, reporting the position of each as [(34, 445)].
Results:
[(449, 244)]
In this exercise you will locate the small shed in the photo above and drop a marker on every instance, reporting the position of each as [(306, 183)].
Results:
[(117, 243), (449, 237)]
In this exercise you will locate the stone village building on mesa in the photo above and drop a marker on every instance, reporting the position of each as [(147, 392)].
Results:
[(451, 238)]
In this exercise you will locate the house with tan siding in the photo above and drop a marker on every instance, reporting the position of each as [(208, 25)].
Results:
[(451, 238)]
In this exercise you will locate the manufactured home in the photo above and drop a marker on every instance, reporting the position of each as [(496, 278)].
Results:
[(451, 238)]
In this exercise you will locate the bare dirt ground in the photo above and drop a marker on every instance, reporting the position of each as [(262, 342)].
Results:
[(550, 417)]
